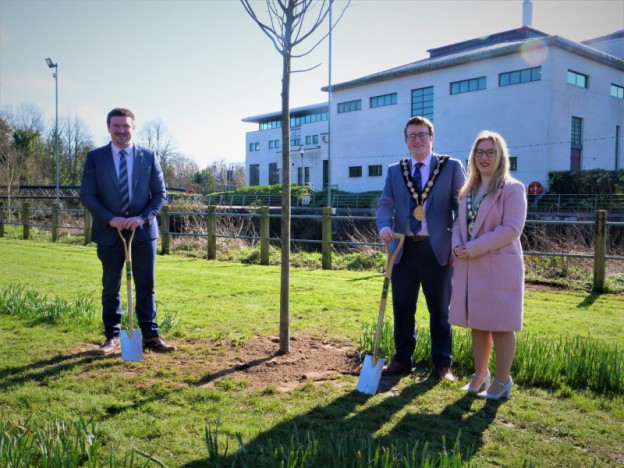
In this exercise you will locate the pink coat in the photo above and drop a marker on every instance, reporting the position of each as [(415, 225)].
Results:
[(488, 283)]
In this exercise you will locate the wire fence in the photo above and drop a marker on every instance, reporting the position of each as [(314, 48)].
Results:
[(600, 239)]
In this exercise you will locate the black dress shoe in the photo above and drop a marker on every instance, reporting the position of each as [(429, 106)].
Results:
[(444, 373), (397, 368), (157, 344)]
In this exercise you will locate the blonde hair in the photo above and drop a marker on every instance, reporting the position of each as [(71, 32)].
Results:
[(501, 175)]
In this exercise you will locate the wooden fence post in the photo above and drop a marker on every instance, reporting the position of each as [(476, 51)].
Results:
[(86, 219), (212, 232), (164, 230), (600, 250), (326, 229), (264, 235), (55, 221), (1, 219), (26, 220)]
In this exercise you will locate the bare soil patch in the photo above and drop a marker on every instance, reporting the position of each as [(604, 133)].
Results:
[(259, 362), (252, 364)]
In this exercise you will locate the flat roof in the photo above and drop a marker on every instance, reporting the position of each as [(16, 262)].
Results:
[(305, 110)]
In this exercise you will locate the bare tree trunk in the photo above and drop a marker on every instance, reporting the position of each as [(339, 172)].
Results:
[(285, 226), (286, 29)]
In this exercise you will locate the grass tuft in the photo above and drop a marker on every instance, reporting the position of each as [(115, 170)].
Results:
[(27, 303), (353, 448), (555, 364)]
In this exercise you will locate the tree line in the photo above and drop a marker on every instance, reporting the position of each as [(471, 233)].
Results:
[(28, 153)]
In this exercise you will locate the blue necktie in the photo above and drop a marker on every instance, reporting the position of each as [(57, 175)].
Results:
[(416, 225), (123, 182)]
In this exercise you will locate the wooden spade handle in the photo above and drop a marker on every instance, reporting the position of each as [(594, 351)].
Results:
[(384, 292), (128, 252)]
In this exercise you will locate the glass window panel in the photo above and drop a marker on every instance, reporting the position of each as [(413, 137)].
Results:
[(254, 174), (355, 171)]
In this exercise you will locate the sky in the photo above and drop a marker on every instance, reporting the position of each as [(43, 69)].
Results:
[(200, 66)]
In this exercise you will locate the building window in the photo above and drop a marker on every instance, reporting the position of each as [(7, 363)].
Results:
[(255, 146), (520, 76), (350, 106), (269, 124), (254, 174), (385, 100), (274, 144), (374, 171), (355, 171), (312, 139), (303, 176), (467, 86), (513, 163), (578, 79), (299, 120), (576, 144), (273, 174), (295, 137), (577, 132), (422, 102), (617, 91)]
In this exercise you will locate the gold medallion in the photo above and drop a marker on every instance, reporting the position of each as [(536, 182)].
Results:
[(419, 212)]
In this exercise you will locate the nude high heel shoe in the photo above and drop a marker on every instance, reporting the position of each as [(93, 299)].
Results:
[(485, 383), (504, 393)]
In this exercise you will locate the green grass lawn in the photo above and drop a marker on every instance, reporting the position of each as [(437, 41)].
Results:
[(48, 375)]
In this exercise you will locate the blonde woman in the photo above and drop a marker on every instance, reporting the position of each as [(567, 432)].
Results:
[(488, 273)]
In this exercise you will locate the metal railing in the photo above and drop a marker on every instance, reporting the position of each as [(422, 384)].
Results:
[(566, 205)]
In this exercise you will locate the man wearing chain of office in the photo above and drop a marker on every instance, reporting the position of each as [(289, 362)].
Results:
[(419, 199)]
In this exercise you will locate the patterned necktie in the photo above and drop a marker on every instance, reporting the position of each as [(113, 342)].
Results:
[(123, 182), (416, 225)]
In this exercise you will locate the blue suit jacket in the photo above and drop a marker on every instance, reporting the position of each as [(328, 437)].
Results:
[(100, 193), (393, 208)]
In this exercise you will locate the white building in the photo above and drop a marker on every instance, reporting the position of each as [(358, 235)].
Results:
[(558, 103)]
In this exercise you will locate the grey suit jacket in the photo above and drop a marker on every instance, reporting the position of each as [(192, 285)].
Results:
[(393, 208), (100, 193)]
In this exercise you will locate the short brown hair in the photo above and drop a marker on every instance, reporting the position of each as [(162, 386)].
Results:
[(120, 112), (419, 120)]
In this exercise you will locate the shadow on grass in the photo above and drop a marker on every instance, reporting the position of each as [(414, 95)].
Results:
[(588, 301), (217, 375), (352, 421), (47, 369)]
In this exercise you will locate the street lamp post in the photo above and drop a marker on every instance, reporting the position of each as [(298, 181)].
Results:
[(55, 75)]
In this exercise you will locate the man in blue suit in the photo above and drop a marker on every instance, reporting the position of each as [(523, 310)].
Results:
[(419, 200), (123, 188)]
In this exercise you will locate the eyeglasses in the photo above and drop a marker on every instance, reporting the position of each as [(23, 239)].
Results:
[(485, 153), (417, 136)]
